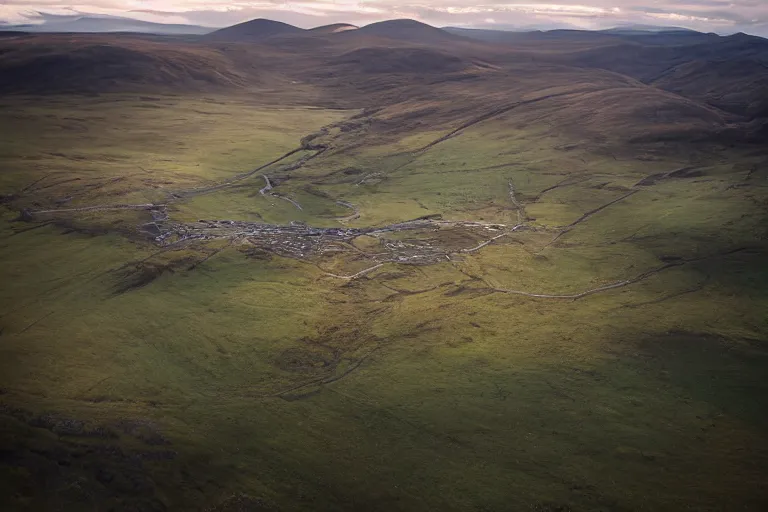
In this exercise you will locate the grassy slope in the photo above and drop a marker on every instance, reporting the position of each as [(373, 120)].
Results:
[(415, 387), (131, 148)]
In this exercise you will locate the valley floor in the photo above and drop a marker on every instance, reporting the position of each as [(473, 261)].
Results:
[(212, 303)]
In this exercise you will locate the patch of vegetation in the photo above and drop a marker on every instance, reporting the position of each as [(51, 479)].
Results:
[(216, 374)]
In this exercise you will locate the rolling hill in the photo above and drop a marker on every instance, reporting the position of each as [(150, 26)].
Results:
[(254, 30), (411, 31), (387, 269), (633, 29), (733, 85), (51, 63), (726, 72), (534, 37)]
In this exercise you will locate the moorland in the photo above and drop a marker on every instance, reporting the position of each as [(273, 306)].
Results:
[(393, 267)]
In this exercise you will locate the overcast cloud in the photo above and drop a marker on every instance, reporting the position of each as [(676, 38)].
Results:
[(722, 16)]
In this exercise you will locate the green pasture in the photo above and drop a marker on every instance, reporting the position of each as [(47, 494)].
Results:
[(209, 376)]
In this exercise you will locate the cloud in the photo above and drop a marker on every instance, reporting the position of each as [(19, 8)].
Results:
[(725, 16)]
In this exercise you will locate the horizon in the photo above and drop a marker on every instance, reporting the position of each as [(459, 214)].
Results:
[(718, 16), (44, 19)]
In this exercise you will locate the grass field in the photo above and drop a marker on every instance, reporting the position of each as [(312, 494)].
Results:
[(129, 148), (214, 376)]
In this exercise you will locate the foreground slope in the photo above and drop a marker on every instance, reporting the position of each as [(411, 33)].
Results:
[(434, 277)]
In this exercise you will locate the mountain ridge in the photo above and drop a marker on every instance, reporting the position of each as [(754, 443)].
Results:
[(106, 24)]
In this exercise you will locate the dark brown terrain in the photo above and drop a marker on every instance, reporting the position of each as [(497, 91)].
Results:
[(710, 78)]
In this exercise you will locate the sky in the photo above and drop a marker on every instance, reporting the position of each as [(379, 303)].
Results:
[(722, 16)]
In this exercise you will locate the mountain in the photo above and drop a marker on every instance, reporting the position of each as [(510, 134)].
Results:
[(87, 64), (254, 30), (737, 85), (673, 36), (634, 29), (729, 73), (533, 36), (98, 24), (407, 30)]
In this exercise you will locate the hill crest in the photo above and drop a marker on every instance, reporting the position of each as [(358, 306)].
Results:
[(408, 30), (254, 30)]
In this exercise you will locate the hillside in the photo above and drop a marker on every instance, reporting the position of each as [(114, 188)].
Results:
[(647, 62), (383, 269), (724, 72), (94, 64), (399, 60), (732, 85)]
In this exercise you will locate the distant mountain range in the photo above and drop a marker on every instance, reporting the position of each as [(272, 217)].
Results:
[(402, 30), (726, 73), (633, 29), (262, 28), (106, 24)]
